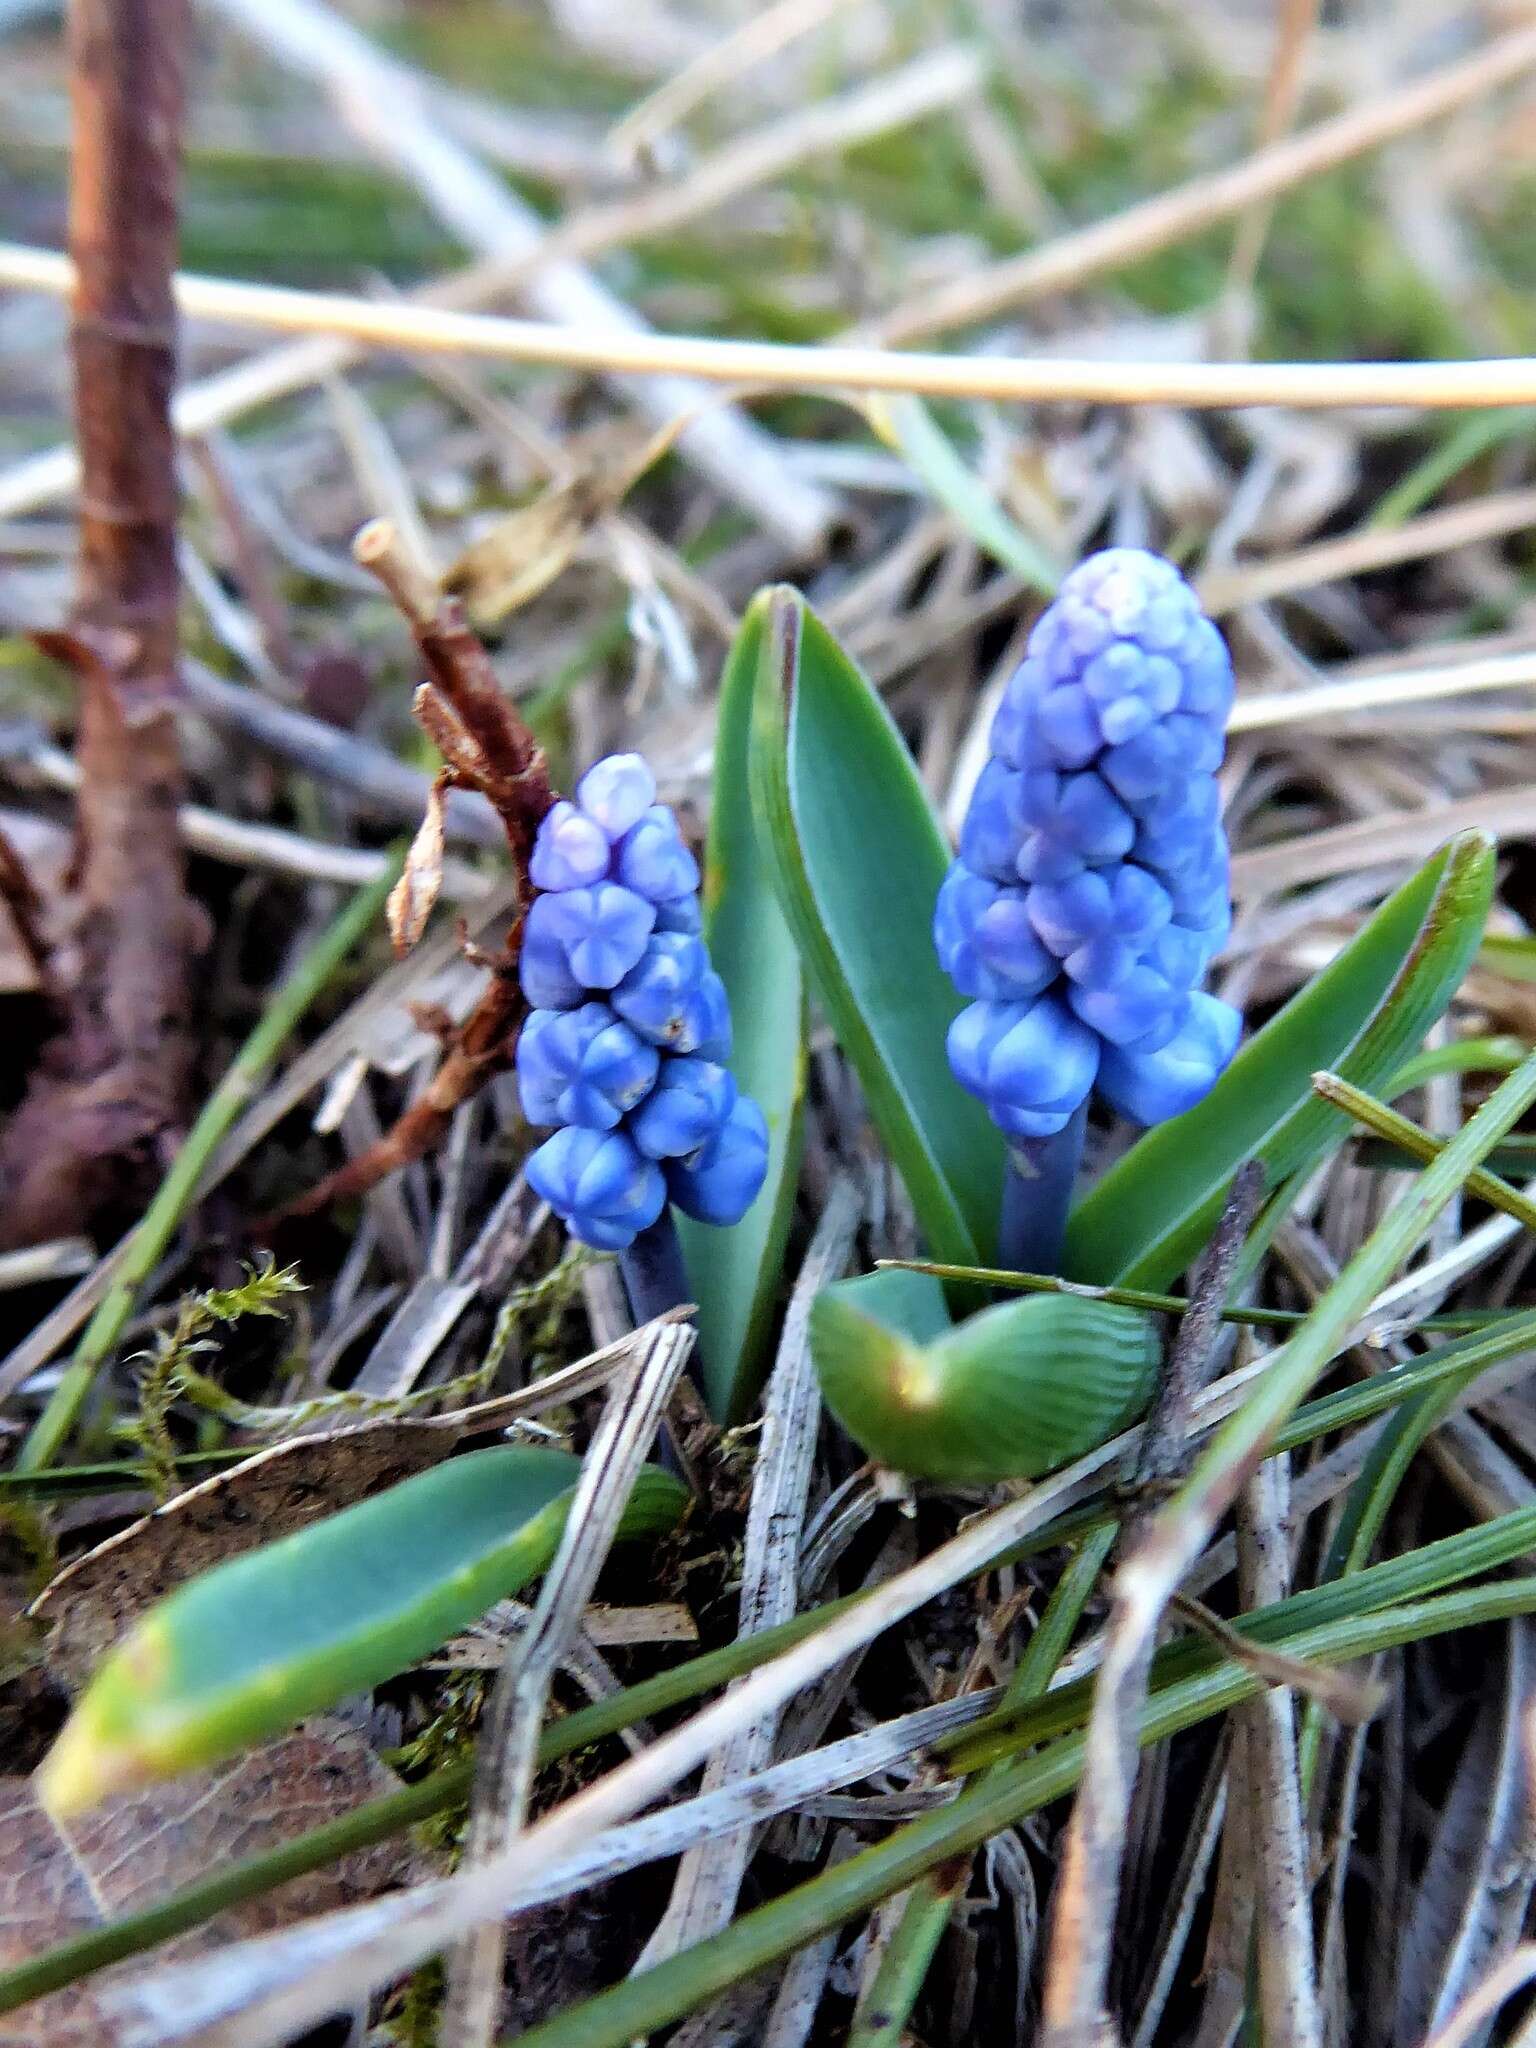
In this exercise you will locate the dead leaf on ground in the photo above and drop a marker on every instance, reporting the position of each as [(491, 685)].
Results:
[(525, 552), (61, 1880)]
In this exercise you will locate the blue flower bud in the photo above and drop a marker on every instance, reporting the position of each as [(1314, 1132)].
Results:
[(599, 932), (1142, 771), (599, 1186), (1118, 902), (691, 1100), (712, 1019), (994, 829), (1031, 1063), (721, 1183), (666, 997), (1101, 798), (1142, 1009), (617, 792), (1209, 686), (582, 1067), (543, 967), (1065, 727), (1070, 822), (654, 862), (680, 914), (985, 941), (1149, 1087), (570, 850)]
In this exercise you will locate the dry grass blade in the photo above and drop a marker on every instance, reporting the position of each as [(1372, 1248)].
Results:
[(770, 30), (1456, 385), (382, 102), (253, 1997), (1349, 695), (1288, 2000), (1282, 95), (1126, 238), (1088, 1884), (705, 1892), (1457, 526), (1480, 2006), (1387, 843), (508, 1746), (1474, 1890), (1346, 1698)]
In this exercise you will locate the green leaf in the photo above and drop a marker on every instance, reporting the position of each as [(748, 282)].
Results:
[(1008, 1394), (857, 856), (1362, 1016), (1515, 959), (732, 1274), (913, 1304), (243, 1651), (911, 429)]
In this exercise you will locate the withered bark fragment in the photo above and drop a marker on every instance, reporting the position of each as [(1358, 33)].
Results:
[(485, 746), (107, 1096)]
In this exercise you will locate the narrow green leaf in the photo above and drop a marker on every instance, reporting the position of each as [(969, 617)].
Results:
[(243, 1651), (651, 2000), (1008, 1394), (732, 1274), (911, 429), (1515, 959), (857, 856), (1361, 1017)]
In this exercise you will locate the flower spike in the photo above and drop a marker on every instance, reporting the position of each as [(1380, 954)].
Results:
[(624, 1049), (1090, 892)]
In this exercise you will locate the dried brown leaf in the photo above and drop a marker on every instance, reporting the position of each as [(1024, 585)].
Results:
[(524, 553), (415, 895), (58, 1880)]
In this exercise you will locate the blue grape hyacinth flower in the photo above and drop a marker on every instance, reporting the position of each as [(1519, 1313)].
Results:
[(1090, 892), (625, 1044)]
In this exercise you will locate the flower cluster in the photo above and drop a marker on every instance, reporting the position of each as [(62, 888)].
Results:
[(1091, 889), (626, 1041)]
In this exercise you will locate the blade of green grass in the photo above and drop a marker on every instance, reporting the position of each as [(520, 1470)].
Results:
[(911, 429), (654, 1999)]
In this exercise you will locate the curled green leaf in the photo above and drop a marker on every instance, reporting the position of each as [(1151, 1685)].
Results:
[(1008, 1394)]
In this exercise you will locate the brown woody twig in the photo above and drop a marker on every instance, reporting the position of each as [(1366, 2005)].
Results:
[(107, 1097), (486, 747)]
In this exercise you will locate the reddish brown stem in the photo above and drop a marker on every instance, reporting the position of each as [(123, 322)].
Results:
[(485, 746), (108, 1094)]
